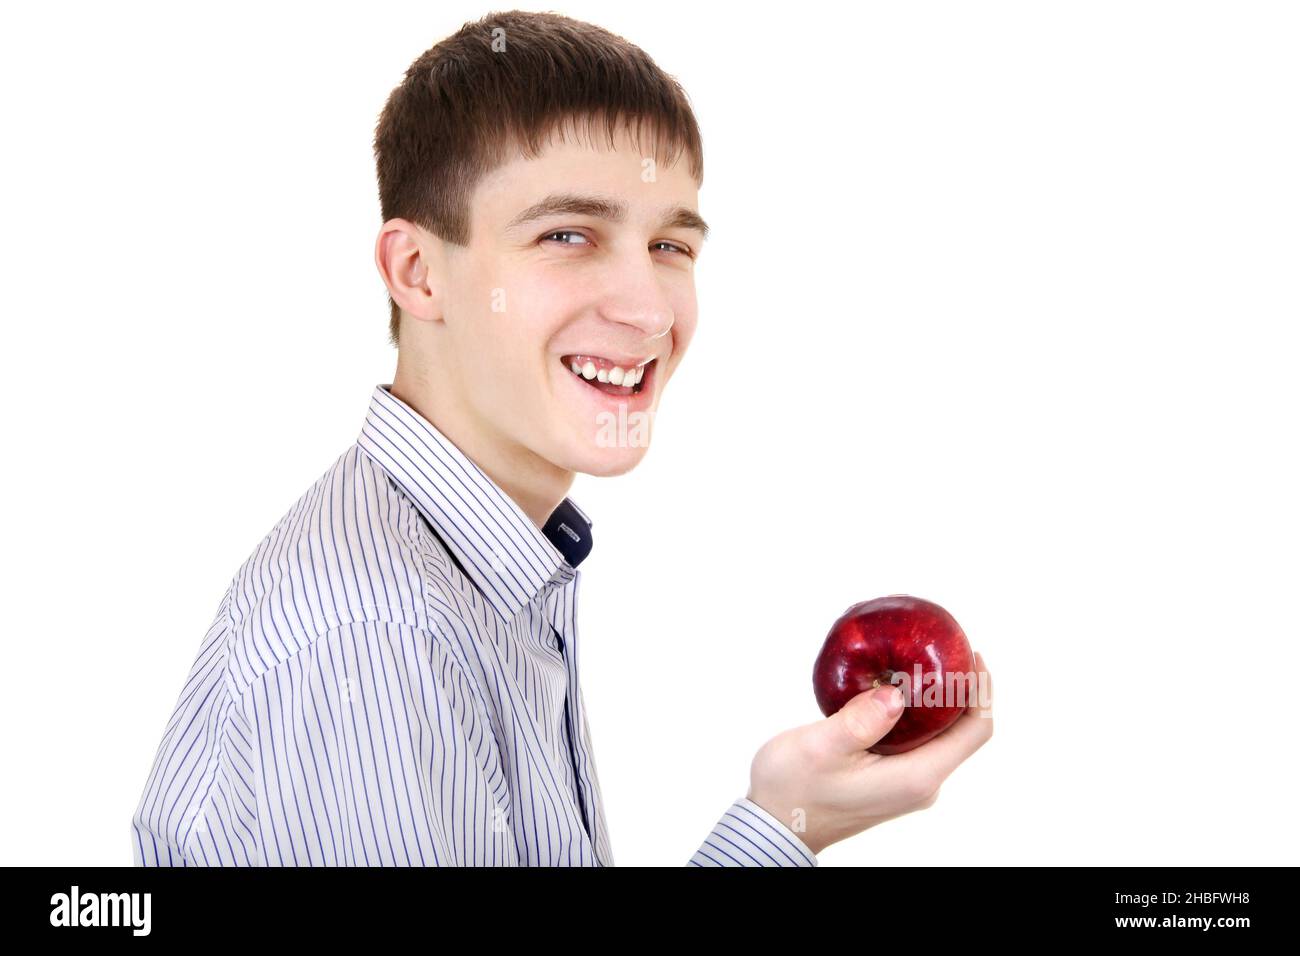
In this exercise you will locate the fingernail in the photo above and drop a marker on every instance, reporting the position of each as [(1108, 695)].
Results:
[(892, 698)]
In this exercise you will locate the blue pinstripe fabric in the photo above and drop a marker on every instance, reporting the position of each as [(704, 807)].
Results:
[(392, 679)]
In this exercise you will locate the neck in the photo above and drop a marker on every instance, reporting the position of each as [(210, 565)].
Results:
[(534, 484)]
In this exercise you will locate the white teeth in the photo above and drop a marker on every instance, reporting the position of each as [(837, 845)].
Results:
[(624, 377)]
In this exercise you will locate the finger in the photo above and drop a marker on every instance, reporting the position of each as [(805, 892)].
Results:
[(863, 720), (983, 688), (934, 760)]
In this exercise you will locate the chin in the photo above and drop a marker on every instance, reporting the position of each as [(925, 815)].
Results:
[(606, 462)]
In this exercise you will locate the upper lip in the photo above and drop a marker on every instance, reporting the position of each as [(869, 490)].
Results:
[(618, 361)]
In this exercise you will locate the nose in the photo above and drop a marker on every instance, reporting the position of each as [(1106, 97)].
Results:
[(635, 297)]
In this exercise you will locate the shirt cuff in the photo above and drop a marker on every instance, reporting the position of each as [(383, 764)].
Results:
[(747, 835)]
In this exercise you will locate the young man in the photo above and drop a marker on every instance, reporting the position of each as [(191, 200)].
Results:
[(392, 676)]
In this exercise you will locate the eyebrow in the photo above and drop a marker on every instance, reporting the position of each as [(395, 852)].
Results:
[(599, 207)]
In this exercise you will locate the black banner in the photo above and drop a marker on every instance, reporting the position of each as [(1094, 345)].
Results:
[(919, 906)]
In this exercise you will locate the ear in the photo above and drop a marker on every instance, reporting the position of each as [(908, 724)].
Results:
[(407, 256)]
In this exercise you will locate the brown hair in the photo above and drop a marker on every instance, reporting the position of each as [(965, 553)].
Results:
[(506, 82)]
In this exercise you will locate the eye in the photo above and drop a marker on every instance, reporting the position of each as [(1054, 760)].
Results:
[(674, 247), (566, 233)]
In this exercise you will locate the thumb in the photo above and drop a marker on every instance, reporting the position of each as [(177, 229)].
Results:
[(865, 718)]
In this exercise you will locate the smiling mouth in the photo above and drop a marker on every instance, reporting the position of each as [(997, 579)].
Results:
[(607, 376)]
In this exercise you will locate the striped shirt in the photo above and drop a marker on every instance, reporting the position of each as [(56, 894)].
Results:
[(392, 679)]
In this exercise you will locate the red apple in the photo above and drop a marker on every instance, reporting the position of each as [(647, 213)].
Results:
[(874, 641)]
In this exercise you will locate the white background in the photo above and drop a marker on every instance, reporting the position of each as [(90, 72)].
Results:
[(999, 309)]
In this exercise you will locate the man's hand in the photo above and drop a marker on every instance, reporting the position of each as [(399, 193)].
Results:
[(820, 776)]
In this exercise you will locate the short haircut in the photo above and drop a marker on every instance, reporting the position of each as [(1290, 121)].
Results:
[(506, 83)]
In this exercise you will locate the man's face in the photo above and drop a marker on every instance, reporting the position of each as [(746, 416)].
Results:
[(575, 261)]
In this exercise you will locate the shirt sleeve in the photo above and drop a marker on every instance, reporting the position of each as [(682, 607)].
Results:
[(747, 835), (366, 747)]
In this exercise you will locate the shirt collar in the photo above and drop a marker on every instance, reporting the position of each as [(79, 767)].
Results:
[(508, 557)]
